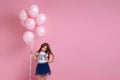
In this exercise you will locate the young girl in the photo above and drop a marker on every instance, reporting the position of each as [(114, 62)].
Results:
[(44, 56)]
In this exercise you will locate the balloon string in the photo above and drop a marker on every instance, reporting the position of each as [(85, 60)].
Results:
[(30, 67)]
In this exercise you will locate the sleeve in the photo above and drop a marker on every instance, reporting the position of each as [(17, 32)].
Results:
[(46, 54)]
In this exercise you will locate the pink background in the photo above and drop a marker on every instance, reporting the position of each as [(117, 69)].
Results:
[(84, 36)]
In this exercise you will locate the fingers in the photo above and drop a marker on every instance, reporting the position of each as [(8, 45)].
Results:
[(31, 52)]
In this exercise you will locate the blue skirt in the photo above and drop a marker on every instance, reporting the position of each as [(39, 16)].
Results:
[(43, 69)]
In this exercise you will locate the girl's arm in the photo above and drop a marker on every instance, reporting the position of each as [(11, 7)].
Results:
[(51, 59), (35, 56)]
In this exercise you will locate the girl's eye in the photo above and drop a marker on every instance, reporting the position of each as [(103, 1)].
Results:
[(45, 48)]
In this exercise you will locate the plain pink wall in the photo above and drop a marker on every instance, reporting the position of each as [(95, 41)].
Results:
[(83, 34)]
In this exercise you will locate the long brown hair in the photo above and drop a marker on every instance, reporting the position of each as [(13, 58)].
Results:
[(48, 49)]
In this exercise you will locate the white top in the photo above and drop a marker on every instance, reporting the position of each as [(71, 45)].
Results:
[(42, 57)]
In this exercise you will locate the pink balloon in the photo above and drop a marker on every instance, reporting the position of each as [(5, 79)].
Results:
[(33, 10), (40, 31), (30, 24), (23, 15), (40, 19), (28, 38)]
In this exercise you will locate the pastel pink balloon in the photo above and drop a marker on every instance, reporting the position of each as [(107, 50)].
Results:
[(28, 38), (30, 24), (23, 15), (40, 19), (33, 10), (40, 31)]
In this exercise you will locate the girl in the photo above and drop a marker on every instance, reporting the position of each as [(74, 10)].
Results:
[(44, 56)]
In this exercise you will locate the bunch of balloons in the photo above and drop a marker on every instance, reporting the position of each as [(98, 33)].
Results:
[(32, 20)]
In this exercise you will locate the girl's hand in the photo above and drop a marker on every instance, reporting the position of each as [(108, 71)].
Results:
[(35, 56), (31, 52), (48, 60), (51, 59)]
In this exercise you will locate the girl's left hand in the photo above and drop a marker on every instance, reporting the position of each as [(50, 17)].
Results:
[(51, 59)]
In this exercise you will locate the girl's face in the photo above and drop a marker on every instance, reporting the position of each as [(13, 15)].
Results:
[(44, 48)]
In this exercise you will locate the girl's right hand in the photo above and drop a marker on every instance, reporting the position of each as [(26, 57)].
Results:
[(31, 52), (34, 55)]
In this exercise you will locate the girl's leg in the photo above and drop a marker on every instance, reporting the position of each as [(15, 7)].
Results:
[(40, 77), (44, 77)]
